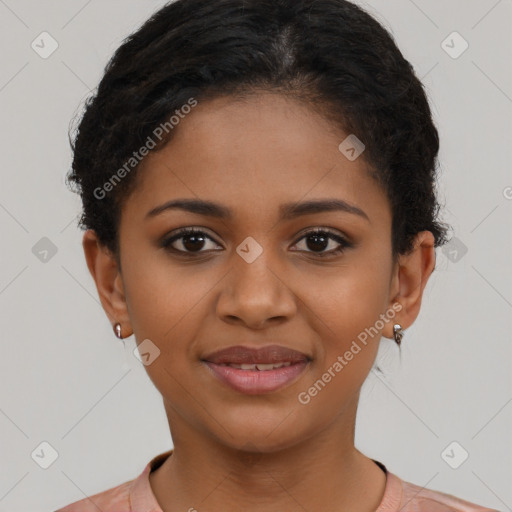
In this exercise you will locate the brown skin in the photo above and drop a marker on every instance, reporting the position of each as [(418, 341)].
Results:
[(251, 156)]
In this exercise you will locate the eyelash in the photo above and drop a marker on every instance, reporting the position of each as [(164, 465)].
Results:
[(183, 232)]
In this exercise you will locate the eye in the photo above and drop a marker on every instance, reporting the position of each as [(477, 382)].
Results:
[(320, 239), (189, 240)]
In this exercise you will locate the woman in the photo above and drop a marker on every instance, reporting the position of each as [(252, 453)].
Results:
[(258, 183)]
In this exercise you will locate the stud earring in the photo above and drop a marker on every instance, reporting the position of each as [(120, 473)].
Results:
[(117, 330), (398, 333)]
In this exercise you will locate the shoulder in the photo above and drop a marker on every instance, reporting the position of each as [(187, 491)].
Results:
[(416, 498), (135, 494), (114, 499)]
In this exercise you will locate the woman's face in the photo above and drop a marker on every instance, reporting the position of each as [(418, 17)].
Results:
[(254, 277)]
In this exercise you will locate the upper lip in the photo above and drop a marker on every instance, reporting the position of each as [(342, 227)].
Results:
[(247, 355)]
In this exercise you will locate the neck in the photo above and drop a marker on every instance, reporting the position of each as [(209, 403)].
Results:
[(325, 472)]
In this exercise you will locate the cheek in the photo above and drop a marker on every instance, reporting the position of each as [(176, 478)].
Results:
[(164, 299), (346, 311), (347, 350), (167, 306), (351, 299)]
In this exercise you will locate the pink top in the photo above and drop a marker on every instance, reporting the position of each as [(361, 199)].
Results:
[(137, 496)]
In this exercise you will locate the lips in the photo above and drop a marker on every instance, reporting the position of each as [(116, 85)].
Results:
[(271, 354)]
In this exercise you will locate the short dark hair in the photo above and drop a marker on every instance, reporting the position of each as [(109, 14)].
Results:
[(330, 53)]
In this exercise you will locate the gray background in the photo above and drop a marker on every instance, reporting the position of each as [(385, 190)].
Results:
[(65, 378)]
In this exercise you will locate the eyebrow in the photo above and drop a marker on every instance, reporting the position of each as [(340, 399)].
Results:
[(287, 211)]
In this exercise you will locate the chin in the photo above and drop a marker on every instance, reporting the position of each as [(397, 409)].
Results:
[(256, 435)]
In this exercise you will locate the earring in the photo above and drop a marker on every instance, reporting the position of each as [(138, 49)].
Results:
[(117, 330), (398, 333)]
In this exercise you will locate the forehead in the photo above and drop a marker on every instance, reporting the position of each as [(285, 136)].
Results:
[(254, 154)]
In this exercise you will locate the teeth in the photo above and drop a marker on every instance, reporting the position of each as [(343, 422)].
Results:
[(259, 366), (267, 366)]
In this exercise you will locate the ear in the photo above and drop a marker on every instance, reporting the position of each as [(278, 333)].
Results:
[(410, 276), (107, 276)]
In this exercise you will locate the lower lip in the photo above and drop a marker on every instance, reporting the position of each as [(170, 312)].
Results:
[(253, 382)]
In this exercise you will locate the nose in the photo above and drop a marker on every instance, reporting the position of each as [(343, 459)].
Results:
[(256, 294)]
